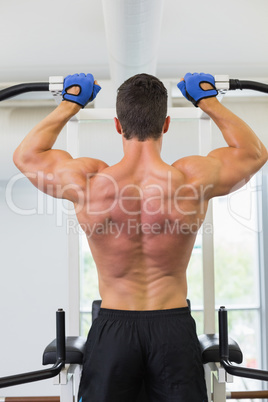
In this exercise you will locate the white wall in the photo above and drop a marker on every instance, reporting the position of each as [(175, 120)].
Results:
[(33, 263)]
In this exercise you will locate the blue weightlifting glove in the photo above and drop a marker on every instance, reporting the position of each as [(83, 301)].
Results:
[(88, 90), (191, 87)]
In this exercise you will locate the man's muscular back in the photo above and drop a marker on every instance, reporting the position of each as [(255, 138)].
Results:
[(141, 221)]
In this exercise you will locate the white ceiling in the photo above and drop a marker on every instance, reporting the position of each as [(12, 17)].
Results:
[(59, 37)]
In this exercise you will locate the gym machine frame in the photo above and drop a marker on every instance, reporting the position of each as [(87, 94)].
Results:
[(222, 369), (46, 373)]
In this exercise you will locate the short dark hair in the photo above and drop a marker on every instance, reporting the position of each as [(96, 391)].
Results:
[(141, 107)]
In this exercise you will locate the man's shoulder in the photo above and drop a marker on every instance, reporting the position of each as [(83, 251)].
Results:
[(92, 164), (193, 164), (198, 170)]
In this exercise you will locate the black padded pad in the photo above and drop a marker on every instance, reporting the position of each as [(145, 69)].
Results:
[(209, 344), (210, 349), (75, 346)]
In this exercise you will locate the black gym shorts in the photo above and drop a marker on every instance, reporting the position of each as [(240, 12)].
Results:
[(128, 349)]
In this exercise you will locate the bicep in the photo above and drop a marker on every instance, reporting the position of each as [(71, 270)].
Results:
[(233, 169), (220, 172)]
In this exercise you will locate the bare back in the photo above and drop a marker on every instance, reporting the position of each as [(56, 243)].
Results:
[(141, 216), (141, 223)]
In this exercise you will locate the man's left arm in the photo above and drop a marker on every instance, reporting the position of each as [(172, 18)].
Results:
[(55, 172)]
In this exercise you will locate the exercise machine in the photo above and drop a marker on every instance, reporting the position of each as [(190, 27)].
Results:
[(66, 356), (69, 373)]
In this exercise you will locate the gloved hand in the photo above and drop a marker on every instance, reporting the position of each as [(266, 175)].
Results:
[(88, 90), (191, 87)]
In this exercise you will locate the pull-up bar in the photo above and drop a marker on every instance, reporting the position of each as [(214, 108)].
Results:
[(55, 85)]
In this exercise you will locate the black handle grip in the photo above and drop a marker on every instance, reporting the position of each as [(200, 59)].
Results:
[(255, 86), (60, 335), (223, 333), (19, 89)]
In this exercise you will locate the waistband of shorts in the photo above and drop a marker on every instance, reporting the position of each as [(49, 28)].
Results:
[(133, 314)]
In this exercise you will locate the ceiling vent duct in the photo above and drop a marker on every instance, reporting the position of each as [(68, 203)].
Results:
[(132, 32)]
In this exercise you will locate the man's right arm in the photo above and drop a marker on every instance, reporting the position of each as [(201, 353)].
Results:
[(224, 169), (245, 155)]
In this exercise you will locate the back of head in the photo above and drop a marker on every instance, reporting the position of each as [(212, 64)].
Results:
[(141, 107)]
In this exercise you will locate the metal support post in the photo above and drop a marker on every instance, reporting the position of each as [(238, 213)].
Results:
[(67, 386), (68, 380), (208, 246), (73, 242), (219, 390), (208, 378)]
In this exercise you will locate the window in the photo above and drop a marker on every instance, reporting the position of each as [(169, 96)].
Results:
[(236, 234), (237, 226)]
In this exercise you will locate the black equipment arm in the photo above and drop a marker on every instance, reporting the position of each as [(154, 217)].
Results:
[(46, 373), (224, 353), (255, 86), (19, 89)]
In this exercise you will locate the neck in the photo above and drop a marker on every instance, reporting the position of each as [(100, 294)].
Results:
[(147, 151)]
